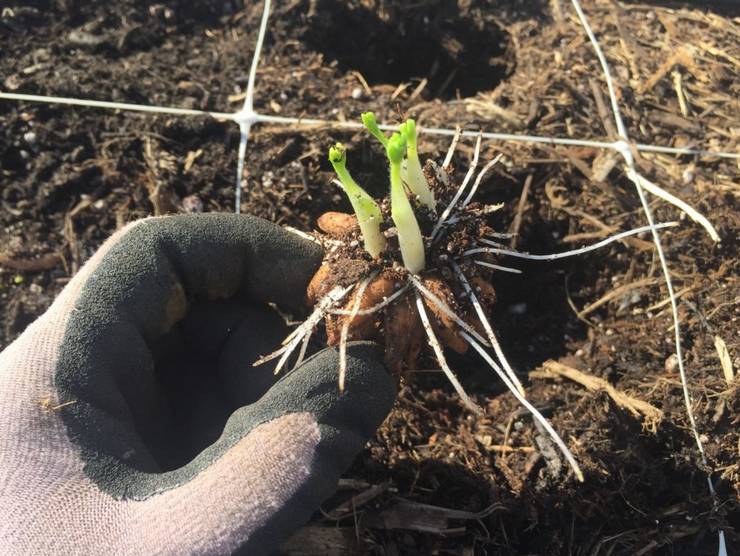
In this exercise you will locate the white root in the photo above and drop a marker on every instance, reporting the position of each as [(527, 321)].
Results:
[(453, 147), (345, 328), (492, 243), (498, 267), (323, 241), (459, 191), (375, 308), (333, 297), (470, 404), (446, 310), (499, 235), (553, 256), (297, 330), (658, 191), (479, 179), (304, 347), (533, 410), (488, 328)]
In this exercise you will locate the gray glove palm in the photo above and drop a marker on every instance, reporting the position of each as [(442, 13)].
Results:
[(167, 441)]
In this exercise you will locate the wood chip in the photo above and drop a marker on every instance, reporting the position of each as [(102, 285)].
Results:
[(724, 359), (636, 407), (44, 262)]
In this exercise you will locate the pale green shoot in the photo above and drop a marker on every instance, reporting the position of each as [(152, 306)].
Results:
[(369, 121), (365, 207), (409, 234), (412, 172)]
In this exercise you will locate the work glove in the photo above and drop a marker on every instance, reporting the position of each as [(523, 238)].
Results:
[(133, 422)]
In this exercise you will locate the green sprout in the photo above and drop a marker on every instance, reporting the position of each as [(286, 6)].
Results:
[(409, 234), (367, 210), (369, 121), (411, 172)]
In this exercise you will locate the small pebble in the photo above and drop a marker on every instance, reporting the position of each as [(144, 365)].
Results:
[(192, 204), (267, 179), (518, 308), (671, 363), (357, 93), (29, 137)]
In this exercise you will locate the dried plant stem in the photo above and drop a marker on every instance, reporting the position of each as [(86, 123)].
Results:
[(637, 407)]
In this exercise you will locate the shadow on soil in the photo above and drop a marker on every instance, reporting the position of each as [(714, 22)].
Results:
[(456, 54)]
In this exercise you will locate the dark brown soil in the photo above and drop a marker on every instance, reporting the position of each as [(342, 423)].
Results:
[(71, 176)]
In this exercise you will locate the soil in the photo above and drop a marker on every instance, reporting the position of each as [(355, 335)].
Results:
[(71, 176)]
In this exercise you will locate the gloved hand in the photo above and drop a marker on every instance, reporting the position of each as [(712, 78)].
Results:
[(132, 421)]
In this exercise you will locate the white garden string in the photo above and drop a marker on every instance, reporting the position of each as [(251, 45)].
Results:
[(622, 146), (315, 122), (247, 117)]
